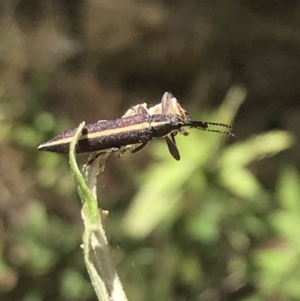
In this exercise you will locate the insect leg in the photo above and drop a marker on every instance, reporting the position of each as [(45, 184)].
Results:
[(165, 102), (137, 109), (170, 139), (93, 156), (138, 147)]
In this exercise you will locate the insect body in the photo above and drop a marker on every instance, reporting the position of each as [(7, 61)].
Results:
[(106, 134), (133, 131)]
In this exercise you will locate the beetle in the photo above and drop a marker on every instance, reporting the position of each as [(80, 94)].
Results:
[(137, 127)]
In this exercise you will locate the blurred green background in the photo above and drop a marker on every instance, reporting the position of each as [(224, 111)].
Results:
[(221, 224)]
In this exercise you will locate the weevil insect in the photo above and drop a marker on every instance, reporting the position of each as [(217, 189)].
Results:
[(134, 130)]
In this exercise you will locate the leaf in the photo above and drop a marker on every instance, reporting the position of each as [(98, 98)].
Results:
[(240, 182), (288, 189), (256, 148)]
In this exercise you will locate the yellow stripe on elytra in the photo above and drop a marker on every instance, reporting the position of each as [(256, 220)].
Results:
[(108, 132), (157, 123)]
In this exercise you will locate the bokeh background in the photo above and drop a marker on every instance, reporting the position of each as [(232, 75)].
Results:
[(221, 224)]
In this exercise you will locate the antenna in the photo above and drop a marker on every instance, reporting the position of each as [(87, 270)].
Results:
[(203, 125)]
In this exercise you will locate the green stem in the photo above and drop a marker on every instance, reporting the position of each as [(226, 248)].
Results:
[(96, 249)]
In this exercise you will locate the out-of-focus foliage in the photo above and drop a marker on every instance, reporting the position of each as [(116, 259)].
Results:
[(278, 268), (222, 223), (212, 199)]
